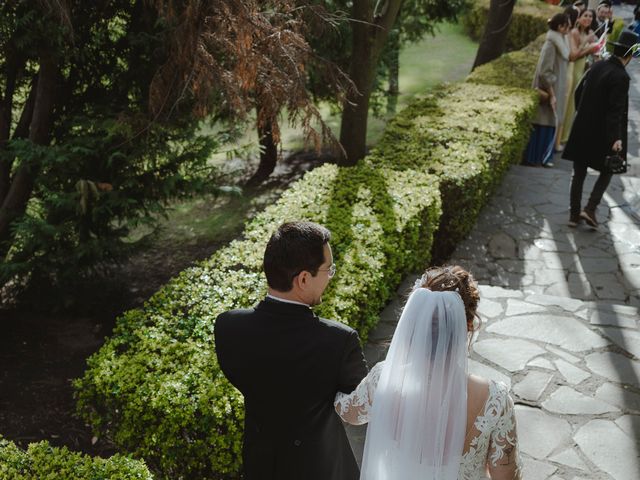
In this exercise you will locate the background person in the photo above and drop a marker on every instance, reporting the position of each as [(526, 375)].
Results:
[(582, 42), (550, 80), (635, 25), (572, 13), (604, 15), (600, 126), (580, 5)]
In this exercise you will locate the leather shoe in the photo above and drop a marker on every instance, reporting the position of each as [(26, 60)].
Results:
[(590, 218)]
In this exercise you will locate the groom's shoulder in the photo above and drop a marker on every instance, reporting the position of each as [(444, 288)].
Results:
[(234, 315), (338, 327), (237, 313)]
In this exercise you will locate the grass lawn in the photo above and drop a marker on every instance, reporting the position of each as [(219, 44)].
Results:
[(447, 56)]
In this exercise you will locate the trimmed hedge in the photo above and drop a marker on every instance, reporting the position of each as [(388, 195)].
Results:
[(514, 69), (41, 461), (528, 21), (445, 134), (155, 387)]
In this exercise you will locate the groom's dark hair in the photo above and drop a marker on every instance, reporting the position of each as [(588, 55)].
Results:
[(293, 248)]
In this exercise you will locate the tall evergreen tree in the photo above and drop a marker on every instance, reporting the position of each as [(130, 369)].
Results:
[(100, 108)]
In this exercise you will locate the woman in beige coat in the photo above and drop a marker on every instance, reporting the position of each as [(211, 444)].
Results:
[(551, 82)]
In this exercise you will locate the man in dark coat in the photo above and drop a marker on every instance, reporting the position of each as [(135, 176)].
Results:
[(289, 364), (600, 126)]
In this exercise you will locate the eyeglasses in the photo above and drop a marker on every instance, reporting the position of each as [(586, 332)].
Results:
[(331, 271)]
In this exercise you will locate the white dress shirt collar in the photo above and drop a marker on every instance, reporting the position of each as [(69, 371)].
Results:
[(284, 300)]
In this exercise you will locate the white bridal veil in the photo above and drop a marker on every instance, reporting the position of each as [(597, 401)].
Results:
[(418, 420)]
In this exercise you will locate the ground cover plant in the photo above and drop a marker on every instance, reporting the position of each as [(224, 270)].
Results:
[(42, 461)]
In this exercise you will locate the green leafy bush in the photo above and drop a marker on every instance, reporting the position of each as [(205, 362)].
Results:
[(515, 69), (446, 133), (41, 461), (155, 387), (528, 21)]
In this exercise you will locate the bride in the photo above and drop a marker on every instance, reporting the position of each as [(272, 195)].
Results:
[(428, 419)]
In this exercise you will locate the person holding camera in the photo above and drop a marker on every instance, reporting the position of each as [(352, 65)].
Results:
[(600, 127)]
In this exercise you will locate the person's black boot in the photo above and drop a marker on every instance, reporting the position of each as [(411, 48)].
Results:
[(589, 216), (574, 220)]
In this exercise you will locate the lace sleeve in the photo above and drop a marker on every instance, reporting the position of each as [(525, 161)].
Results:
[(504, 456), (354, 407)]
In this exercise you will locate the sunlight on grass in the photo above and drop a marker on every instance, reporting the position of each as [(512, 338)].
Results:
[(446, 57)]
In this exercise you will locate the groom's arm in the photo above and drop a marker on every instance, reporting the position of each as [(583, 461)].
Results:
[(353, 367)]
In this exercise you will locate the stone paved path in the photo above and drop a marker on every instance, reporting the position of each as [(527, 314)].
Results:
[(560, 318)]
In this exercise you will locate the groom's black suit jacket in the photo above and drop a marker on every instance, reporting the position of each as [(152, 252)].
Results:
[(288, 363)]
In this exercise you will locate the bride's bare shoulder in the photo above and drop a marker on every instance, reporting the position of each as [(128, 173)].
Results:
[(475, 381), (477, 388)]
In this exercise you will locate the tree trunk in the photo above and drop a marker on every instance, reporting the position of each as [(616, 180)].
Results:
[(393, 61), (268, 156), (22, 183), (13, 68), (370, 31), (494, 39)]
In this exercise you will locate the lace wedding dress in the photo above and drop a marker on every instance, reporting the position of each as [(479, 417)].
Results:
[(492, 441)]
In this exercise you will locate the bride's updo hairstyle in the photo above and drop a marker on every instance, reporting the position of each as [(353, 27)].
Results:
[(457, 279)]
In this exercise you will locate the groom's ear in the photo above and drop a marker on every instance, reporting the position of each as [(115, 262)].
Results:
[(302, 280)]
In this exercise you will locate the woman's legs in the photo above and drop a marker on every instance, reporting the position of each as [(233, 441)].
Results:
[(540, 147)]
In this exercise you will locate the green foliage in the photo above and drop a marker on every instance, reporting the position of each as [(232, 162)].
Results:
[(528, 21), (109, 166), (41, 461), (416, 19), (514, 69), (93, 189), (155, 387), (446, 134)]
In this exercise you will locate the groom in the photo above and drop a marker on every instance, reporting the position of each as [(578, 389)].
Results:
[(288, 363)]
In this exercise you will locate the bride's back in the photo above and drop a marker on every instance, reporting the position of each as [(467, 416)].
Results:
[(490, 446), (477, 396)]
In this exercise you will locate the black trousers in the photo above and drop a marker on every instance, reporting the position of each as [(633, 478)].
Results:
[(579, 174)]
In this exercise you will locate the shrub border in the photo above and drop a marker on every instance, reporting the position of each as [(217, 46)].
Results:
[(41, 461)]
